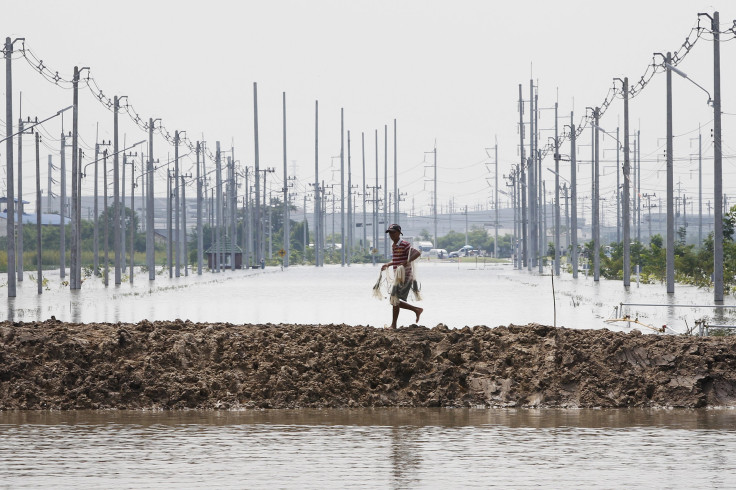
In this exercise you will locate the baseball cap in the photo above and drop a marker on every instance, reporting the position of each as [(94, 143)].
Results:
[(394, 227)]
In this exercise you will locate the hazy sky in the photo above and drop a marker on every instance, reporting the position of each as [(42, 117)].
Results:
[(448, 72)]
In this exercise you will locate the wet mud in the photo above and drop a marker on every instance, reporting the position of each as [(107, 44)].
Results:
[(184, 365)]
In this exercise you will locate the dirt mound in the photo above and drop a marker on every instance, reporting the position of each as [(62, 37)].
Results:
[(179, 364)]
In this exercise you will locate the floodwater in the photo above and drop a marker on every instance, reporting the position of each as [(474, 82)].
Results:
[(399, 448), (455, 294), (380, 448)]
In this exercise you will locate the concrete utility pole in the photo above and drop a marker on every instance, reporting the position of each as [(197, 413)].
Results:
[(169, 231), (670, 185), (557, 197), (75, 272), (50, 179), (200, 238), (96, 232), (232, 198), (532, 187), (365, 222), (351, 217), (248, 216), (19, 237), (107, 218), (184, 225), (9, 167), (258, 237), (717, 165), (495, 204), (62, 208), (396, 180), (596, 199), (541, 210), (39, 270), (287, 219), (637, 180), (522, 184), (627, 187), (150, 248), (567, 216), (375, 204), (116, 195), (218, 206), (618, 185), (79, 219), (342, 187), (123, 226), (700, 189), (435, 195), (132, 220), (385, 190), (317, 204), (573, 199), (177, 253)]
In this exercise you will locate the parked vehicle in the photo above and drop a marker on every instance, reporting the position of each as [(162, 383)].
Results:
[(438, 253), (466, 251), (423, 246)]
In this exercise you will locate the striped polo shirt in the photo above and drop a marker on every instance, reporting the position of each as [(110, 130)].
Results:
[(400, 251)]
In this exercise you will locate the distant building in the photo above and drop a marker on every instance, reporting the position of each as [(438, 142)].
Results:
[(225, 253), (28, 219)]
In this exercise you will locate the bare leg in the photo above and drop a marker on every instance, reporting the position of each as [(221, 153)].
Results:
[(395, 316), (403, 304)]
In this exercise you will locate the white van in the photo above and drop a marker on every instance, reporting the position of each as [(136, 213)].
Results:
[(423, 246)]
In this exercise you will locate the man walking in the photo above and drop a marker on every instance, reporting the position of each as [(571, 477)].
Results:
[(402, 254)]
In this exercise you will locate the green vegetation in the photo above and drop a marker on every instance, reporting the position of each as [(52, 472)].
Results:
[(692, 265)]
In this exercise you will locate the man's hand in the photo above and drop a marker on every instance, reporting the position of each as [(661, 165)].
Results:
[(383, 267)]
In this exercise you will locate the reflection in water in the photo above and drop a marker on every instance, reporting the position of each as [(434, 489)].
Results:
[(375, 448), (405, 454)]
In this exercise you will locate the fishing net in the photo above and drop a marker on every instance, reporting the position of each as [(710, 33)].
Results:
[(391, 282)]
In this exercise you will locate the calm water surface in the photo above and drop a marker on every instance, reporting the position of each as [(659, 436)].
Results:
[(454, 294), (428, 448)]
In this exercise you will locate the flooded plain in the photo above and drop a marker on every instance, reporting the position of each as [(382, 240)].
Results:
[(455, 294), (412, 448)]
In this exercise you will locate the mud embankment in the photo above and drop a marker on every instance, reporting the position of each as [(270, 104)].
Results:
[(177, 365)]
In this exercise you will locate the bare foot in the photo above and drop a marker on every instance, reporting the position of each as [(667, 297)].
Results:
[(419, 313)]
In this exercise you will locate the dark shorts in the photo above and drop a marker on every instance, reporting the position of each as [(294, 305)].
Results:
[(402, 290)]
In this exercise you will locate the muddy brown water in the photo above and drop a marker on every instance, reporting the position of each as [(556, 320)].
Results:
[(373, 448)]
